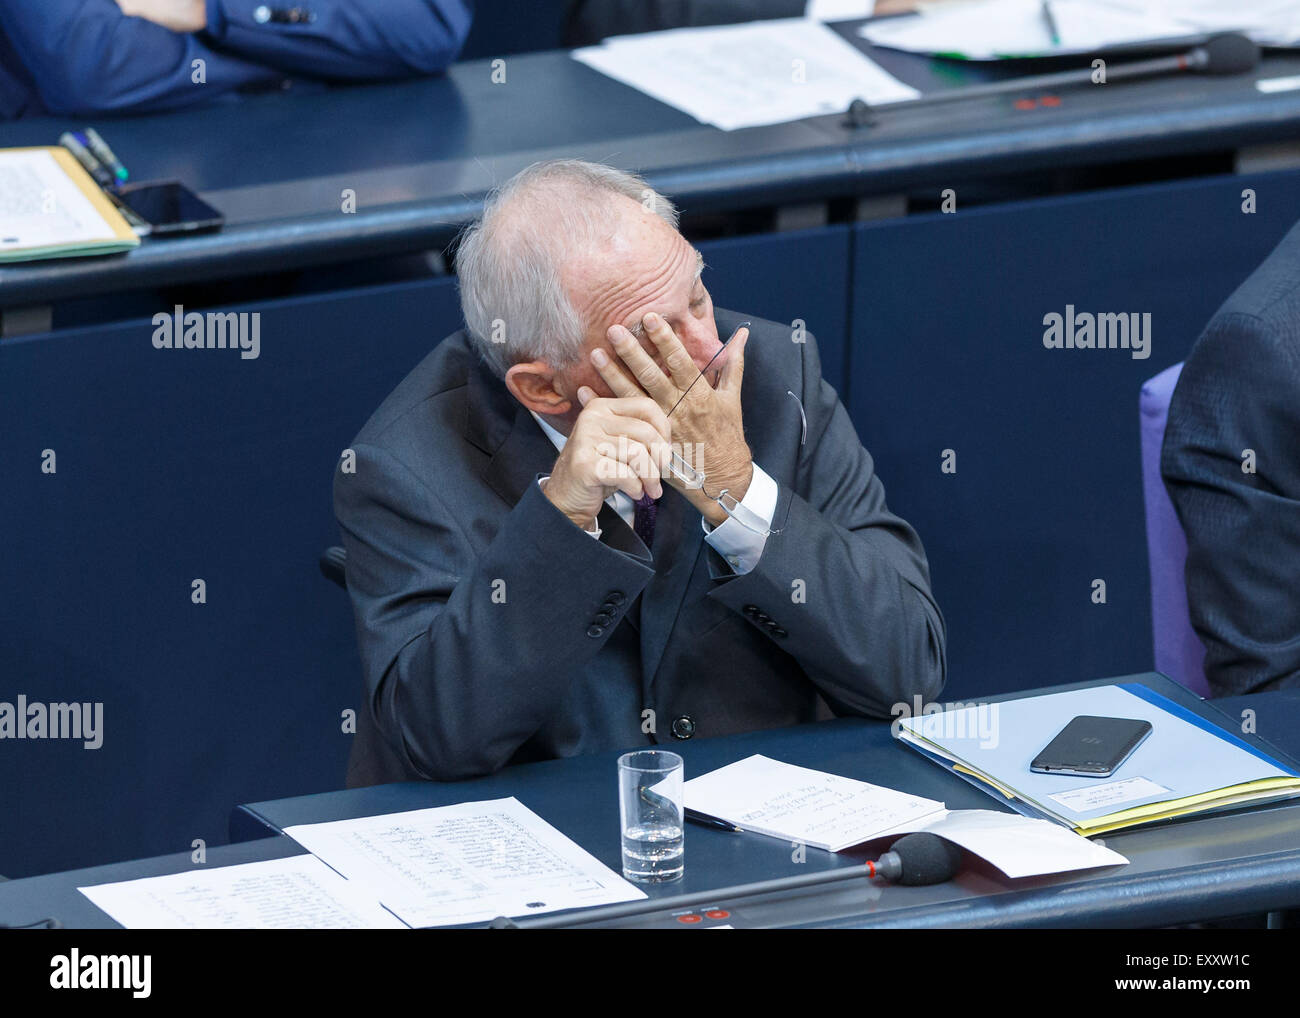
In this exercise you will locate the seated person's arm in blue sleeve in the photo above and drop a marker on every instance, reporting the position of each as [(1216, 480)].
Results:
[(342, 38), (86, 56)]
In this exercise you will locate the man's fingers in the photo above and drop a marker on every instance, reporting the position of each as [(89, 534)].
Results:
[(680, 366), (629, 466), (633, 429), (642, 365), (615, 377), (733, 371), (643, 408), (616, 477)]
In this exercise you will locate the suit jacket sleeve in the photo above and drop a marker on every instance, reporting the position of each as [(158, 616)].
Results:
[(86, 56), (345, 38), (1239, 390), (442, 626), (844, 579)]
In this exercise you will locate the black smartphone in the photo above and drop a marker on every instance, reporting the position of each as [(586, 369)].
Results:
[(1091, 747), (169, 208)]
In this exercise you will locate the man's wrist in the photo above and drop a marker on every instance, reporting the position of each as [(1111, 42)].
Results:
[(736, 487), (587, 523)]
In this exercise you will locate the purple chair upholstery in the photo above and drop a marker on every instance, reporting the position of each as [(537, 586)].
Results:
[(1179, 652)]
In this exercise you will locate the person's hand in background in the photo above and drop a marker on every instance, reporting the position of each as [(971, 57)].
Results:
[(178, 15)]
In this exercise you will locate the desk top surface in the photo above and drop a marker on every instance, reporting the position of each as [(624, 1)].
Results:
[(420, 155), (1177, 872)]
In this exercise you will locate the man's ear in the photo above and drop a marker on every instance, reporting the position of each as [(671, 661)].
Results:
[(533, 383)]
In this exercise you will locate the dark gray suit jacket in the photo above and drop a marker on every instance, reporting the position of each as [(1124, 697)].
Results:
[(1240, 389), (493, 631)]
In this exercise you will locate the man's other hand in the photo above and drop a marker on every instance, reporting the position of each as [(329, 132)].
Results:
[(619, 444), (178, 15)]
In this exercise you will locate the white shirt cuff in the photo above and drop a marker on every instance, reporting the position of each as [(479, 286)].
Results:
[(594, 531), (735, 542)]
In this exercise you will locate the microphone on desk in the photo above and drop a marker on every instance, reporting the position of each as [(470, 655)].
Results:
[(1228, 53), (913, 860), (918, 859)]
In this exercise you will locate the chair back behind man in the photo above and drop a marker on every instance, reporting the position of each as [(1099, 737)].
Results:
[(1179, 652)]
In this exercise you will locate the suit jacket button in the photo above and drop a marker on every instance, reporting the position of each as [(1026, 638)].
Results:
[(683, 727), (751, 610), (603, 619), (596, 631), (615, 597), (778, 631)]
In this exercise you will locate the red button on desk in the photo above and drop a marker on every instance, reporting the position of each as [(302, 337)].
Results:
[(689, 919), (718, 913), (1050, 100), (1025, 104)]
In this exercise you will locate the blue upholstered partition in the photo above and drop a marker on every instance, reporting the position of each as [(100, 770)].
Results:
[(947, 352)]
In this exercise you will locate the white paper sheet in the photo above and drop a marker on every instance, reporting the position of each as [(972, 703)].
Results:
[(990, 29), (801, 805), (465, 864), (299, 892), (1017, 845), (839, 10), (40, 205), (764, 72)]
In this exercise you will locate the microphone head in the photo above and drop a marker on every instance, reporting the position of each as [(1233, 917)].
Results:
[(1229, 53), (926, 859)]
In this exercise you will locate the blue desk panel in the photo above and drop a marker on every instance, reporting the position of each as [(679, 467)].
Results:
[(173, 465), (1205, 868), (946, 352), (420, 155)]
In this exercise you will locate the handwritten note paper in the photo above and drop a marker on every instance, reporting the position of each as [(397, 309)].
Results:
[(297, 893), (466, 863), (802, 805)]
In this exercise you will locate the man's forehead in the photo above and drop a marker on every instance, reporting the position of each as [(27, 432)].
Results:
[(639, 268)]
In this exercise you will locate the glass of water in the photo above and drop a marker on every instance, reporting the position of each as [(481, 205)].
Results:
[(650, 808)]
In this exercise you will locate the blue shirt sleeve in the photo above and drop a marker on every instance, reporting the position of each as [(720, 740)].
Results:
[(86, 56), (342, 39)]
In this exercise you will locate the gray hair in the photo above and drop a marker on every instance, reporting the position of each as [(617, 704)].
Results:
[(509, 261)]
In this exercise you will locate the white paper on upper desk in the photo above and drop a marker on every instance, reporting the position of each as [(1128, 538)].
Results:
[(465, 864), (299, 893), (1019, 846), (764, 72), (802, 805), (992, 29)]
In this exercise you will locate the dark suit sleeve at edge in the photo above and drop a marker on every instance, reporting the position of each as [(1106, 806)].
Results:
[(442, 630), (1238, 391)]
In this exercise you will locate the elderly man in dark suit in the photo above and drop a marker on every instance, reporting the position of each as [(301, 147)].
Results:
[(1231, 464), (534, 575)]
